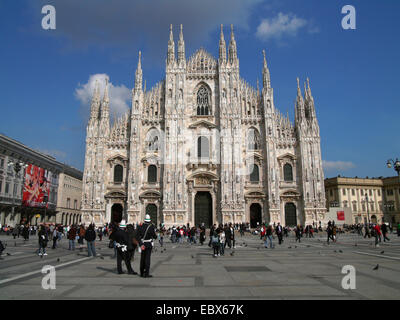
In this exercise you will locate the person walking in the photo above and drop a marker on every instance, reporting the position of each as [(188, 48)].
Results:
[(377, 234), (132, 243), (55, 238), (90, 237), (279, 233), (202, 234), (71, 238), (367, 231), (120, 237), (222, 242), (384, 230), (146, 235), (298, 233), (43, 239), (268, 237), (214, 239), (230, 236), (329, 231)]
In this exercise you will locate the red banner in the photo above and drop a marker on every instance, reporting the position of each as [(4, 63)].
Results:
[(340, 215), (36, 187)]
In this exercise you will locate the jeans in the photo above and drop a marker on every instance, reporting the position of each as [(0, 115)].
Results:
[(222, 248), (42, 249), (91, 248), (266, 242), (71, 245)]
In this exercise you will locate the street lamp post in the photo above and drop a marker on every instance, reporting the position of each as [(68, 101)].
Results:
[(396, 164), (366, 200), (45, 199)]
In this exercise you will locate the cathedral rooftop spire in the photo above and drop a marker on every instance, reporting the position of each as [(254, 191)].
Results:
[(139, 73), (105, 97), (266, 74), (181, 48), (222, 46), (232, 48), (171, 47)]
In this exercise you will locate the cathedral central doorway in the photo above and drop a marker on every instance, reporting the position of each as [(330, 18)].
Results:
[(255, 215), (116, 213), (290, 215), (151, 210), (203, 209)]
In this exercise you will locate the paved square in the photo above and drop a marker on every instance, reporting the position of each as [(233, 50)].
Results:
[(307, 270)]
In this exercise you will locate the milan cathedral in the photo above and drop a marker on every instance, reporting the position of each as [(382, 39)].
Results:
[(203, 146)]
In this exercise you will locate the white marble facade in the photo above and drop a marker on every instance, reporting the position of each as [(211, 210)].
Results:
[(203, 146)]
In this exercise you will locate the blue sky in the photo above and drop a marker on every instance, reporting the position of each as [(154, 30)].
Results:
[(354, 74)]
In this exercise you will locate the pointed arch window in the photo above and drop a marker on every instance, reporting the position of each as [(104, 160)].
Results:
[(288, 172), (203, 101), (253, 139), (152, 141)]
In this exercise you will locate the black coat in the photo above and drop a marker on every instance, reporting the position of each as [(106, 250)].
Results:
[(151, 234), (90, 235)]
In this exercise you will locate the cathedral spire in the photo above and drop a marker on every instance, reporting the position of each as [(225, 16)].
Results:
[(222, 46), (105, 97), (299, 107), (95, 104), (181, 48), (232, 48), (139, 74), (171, 47), (266, 74)]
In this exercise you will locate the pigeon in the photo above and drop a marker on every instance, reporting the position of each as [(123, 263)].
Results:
[(335, 251), (382, 252), (102, 258), (377, 267), (8, 254), (289, 247), (355, 244), (58, 259), (232, 253), (192, 256), (340, 251), (308, 246), (295, 247)]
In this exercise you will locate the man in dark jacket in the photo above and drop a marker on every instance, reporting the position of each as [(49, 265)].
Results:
[(279, 232), (43, 239), (90, 237), (146, 236), (230, 236), (121, 241)]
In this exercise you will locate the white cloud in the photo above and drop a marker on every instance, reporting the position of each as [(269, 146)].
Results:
[(283, 25), (120, 96), (337, 165)]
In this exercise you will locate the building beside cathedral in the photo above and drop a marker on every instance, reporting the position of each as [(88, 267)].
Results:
[(203, 146)]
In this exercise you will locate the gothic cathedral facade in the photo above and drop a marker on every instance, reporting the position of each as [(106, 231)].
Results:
[(203, 146)]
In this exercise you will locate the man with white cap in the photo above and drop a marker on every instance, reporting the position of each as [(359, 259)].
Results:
[(146, 235)]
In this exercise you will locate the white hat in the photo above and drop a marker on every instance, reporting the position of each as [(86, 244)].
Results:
[(147, 218)]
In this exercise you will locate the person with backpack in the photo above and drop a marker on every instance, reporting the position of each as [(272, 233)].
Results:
[(215, 241), (90, 237)]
